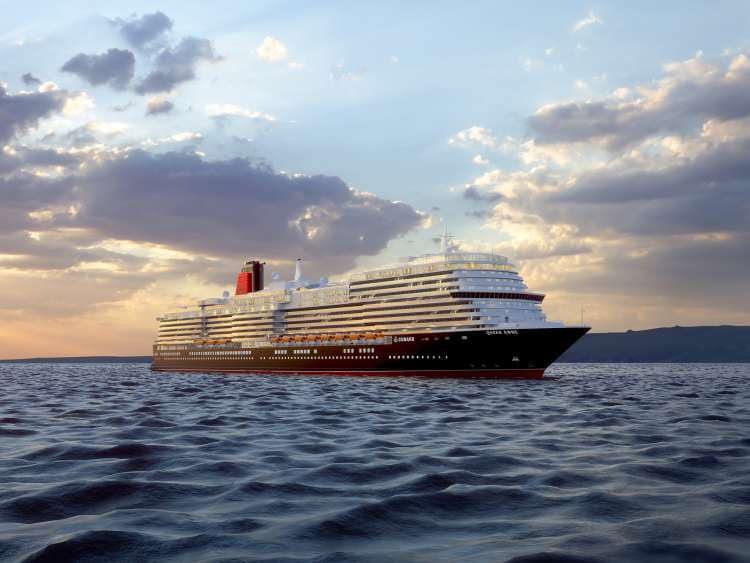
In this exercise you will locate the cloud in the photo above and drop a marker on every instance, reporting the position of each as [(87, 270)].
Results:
[(232, 208), (475, 194), (481, 137), (182, 137), (115, 68), (24, 193), (705, 194), (108, 224), (12, 159), (30, 80), (123, 107), (272, 50), (689, 93), (94, 132), (480, 160), (156, 106), (21, 112), (220, 111), (176, 65), (640, 197), (479, 214), (77, 103), (342, 71), (674, 276), (590, 19), (143, 30), (220, 209)]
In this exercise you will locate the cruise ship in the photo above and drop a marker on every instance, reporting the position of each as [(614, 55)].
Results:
[(450, 314)]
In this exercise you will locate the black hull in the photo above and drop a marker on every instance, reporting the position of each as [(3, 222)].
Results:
[(504, 353)]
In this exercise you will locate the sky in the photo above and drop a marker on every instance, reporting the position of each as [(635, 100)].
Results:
[(146, 152)]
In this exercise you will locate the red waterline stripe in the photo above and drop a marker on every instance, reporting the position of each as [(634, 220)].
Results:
[(475, 373)]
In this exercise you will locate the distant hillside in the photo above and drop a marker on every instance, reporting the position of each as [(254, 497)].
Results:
[(84, 360), (675, 344)]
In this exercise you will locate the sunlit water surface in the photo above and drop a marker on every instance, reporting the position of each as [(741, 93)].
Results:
[(105, 462)]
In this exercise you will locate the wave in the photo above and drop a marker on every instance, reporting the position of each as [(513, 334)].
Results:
[(599, 463)]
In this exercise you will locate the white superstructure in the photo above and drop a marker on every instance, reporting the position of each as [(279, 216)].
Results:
[(440, 292)]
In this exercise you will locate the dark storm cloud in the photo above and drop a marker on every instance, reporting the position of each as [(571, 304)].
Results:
[(30, 80), (176, 65), (115, 68), (691, 93), (21, 112), (155, 107), (475, 194), (232, 208), (145, 29)]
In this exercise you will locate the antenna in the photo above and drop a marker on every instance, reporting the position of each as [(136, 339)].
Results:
[(445, 241)]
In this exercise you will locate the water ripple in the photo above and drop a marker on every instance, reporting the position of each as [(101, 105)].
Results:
[(598, 463)]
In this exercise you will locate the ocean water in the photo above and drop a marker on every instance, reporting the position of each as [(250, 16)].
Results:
[(106, 462)]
